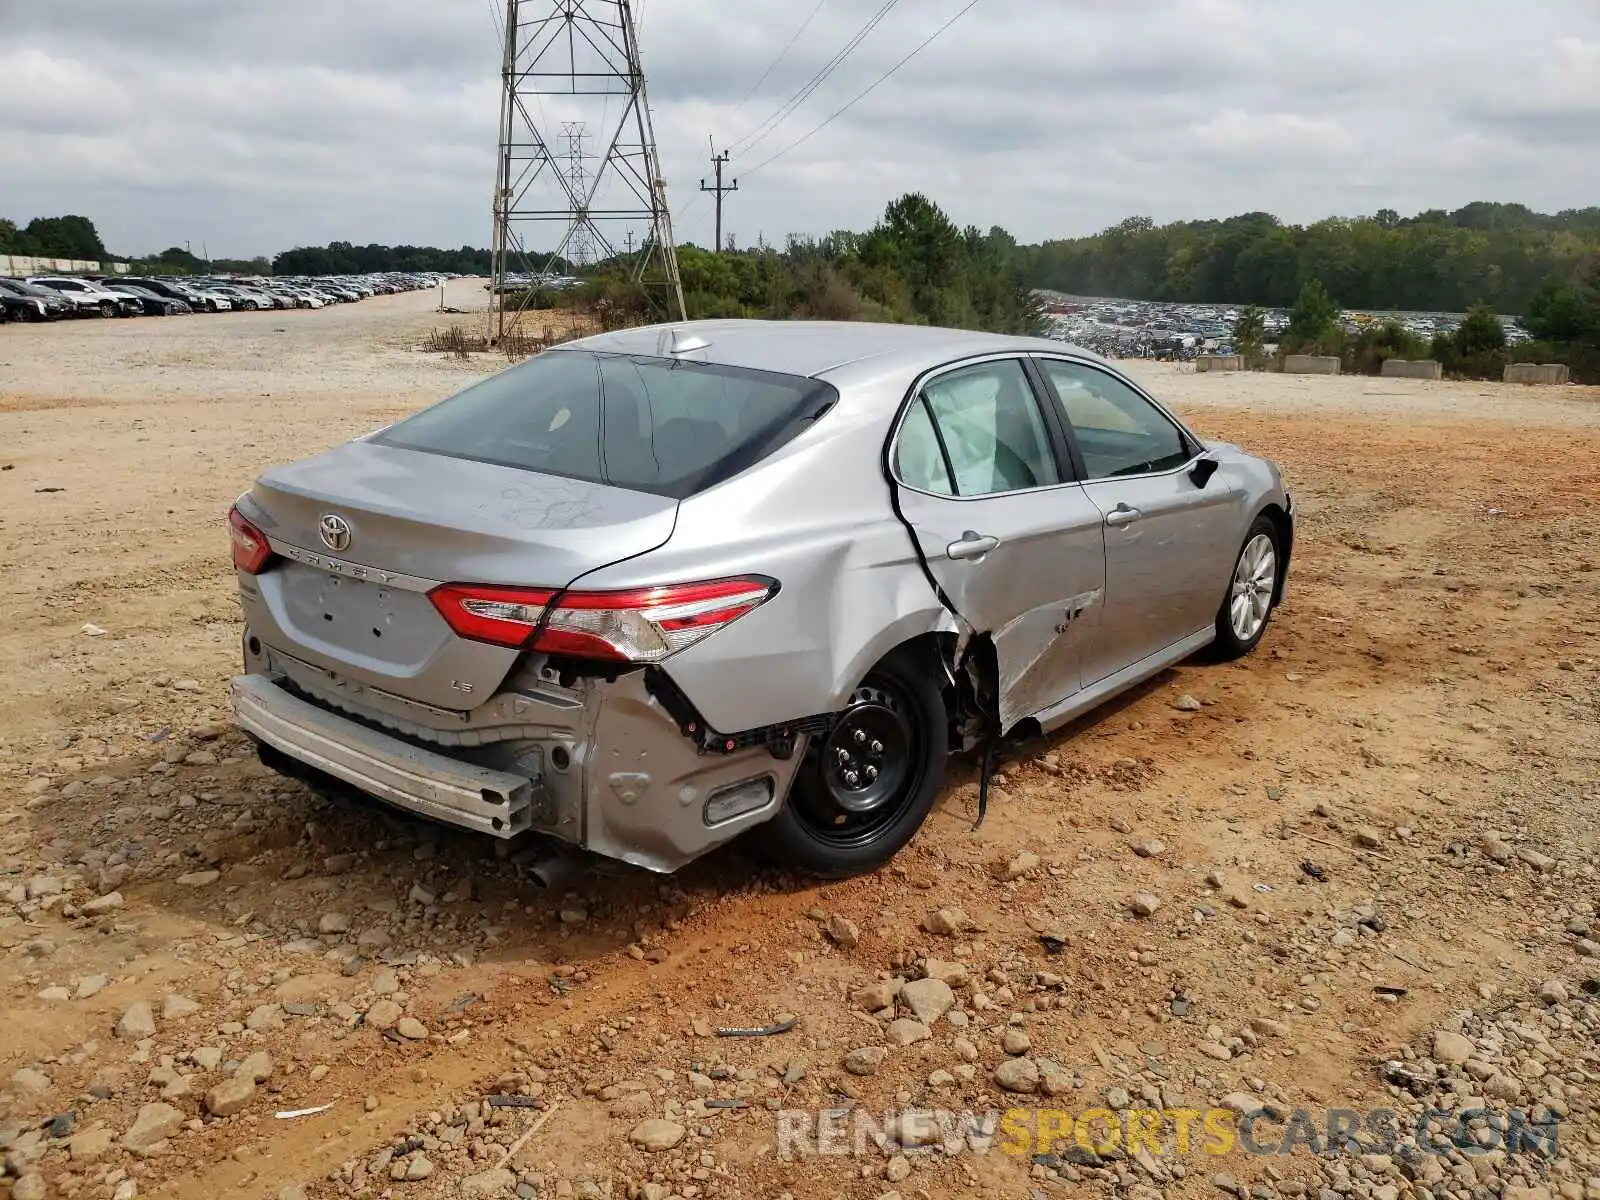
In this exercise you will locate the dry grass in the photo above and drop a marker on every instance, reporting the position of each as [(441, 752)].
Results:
[(519, 342)]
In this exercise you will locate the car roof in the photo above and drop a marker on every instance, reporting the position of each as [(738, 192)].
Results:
[(823, 348)]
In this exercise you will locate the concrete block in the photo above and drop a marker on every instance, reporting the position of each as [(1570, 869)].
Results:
[(1219, 362), (1541, 373), (1310, 364), (1419, 368), (21, 265)]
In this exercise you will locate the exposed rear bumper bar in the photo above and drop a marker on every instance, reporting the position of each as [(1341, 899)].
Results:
[(446, 789)]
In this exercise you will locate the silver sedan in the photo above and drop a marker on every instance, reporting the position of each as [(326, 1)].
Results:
[(652, 590)]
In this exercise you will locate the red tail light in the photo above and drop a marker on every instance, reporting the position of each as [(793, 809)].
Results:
[(250, 549), (504, 616), (642, 625)]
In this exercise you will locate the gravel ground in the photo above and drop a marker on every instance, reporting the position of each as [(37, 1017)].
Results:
[(1355, 874)]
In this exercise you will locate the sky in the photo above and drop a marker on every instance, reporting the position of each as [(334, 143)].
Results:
[(247, 128)]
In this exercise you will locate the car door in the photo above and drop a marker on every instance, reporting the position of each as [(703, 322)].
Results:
[(1167, 527), (984, 481)]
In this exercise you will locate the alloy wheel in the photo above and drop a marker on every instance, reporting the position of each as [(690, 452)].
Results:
[(1255, 579)]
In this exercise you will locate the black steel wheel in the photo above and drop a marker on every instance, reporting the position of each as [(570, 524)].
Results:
[(865, 788)]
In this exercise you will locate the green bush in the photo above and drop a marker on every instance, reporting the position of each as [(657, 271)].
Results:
[(1313, 323), (1249, 334), (1366, 353), (1480, 332)]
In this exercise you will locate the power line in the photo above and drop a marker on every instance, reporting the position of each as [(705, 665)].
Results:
[(756, 136), (773, 65), (918, 49)]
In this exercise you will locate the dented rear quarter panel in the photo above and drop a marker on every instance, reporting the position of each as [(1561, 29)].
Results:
[(818, 517)]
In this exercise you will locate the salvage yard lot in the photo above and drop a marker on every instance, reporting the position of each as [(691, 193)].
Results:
[(1398, 790)]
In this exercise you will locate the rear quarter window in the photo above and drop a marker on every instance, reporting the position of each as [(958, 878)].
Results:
[(648, 424)]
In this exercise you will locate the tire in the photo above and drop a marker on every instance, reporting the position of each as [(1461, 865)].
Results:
[(107, 308), (1250, 600), (897, 706)]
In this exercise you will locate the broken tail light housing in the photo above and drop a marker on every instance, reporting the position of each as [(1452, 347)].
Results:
[(251, 551), (638, 625)]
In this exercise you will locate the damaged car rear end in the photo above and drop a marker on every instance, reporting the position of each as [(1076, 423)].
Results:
[(652, 590)]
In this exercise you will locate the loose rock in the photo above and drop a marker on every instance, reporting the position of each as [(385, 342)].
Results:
[(1144, 904), (1024, 864), (137, 1023), (383, 1014), (905, 1032), (1451, 1048), (656, 1134), (865, 1060), (155, 1123), (928, 999), (946, 922), (334, 922), (876, 996), (496, 1182), (843, 931), (1017, 1075), (230, 1096)]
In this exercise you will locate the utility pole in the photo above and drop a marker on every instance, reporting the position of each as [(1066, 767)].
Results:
[(718, 161)]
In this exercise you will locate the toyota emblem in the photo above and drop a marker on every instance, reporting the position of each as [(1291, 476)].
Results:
[(335, 531)]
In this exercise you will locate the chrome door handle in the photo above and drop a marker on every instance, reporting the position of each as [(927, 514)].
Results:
[(971, 545), (1122, 514)]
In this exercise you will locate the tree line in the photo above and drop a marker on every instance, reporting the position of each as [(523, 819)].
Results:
[(1436, 261), (916, 265), (346, 258), (53, 237)]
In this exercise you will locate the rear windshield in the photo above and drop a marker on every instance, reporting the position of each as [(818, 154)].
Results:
[(649, 424)]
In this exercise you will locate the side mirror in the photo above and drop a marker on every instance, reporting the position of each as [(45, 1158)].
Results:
[(1204, 468)]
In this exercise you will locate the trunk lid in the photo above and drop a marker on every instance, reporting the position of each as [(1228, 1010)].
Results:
[(355, 603)]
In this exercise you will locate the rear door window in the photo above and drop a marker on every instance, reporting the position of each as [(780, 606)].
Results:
[(976, 431), (654, 425)]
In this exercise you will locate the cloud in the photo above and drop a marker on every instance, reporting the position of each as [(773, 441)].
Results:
[(253, 128)]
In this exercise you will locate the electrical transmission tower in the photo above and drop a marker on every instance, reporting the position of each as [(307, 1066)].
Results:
[(580, 250), (574, 65)]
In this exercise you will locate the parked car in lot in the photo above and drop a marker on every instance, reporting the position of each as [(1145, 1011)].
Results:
[(653, 589), (87, 296), (154, 305), (214, 300), (243, 297), (28, 302), (171, 289), (20, 308)]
